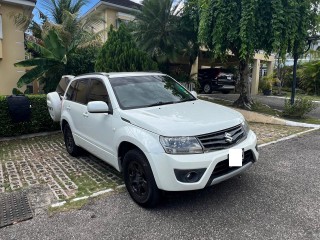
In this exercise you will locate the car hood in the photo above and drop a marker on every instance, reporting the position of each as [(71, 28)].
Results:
[(184, 119)]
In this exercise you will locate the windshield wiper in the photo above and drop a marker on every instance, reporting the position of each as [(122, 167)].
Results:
[(160, 103)]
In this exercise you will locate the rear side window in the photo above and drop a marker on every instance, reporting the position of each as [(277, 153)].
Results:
[(70, 92), (80, 92), (98, 91)]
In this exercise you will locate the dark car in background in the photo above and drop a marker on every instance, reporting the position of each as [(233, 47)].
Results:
[(216, 79)]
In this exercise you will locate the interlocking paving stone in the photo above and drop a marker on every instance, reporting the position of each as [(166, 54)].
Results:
[(14, 178), (1, 179), (14, 208), (44, 160)]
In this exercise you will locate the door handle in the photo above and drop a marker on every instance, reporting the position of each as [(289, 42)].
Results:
[(68, 108), (85, 115)]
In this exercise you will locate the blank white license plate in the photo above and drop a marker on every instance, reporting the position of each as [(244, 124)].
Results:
[(235, 157)]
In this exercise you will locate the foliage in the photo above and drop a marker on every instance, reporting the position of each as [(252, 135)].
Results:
[(239, 26), (120, 53), (293, 22), (83, 60), (266, 83), (309, 74), (53, 57), (189, 24), (59, 49), (56, 8), (301, 107), (244, 27), (156, 29), (40, 118)]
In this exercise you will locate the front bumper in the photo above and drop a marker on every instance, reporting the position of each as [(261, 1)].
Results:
[(163, 166)]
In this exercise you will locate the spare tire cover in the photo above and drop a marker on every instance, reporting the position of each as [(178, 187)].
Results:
[(19, 108), (54, 106)]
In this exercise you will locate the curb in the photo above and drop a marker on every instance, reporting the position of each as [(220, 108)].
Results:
[(60, 204), (29, 136), (287, 138), (315, 101)]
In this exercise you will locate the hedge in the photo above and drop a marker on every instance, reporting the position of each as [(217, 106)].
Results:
[(40, 119)]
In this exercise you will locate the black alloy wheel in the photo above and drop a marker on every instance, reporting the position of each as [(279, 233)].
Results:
[(71, 147), (139, 179)]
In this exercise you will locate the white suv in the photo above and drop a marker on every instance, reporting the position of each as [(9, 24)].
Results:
[(154, 131)]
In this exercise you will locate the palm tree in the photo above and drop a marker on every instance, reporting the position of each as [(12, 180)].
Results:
[(157, 31), (56, 8), (59, 43), (53, 56)]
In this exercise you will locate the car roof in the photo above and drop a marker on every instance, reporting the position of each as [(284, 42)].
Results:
[(123, 74), (132, 74)]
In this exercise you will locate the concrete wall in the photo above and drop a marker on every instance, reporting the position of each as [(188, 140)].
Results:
[(12, 49)]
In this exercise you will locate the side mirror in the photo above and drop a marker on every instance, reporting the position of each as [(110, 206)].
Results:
[(98, 107), (194, 93)]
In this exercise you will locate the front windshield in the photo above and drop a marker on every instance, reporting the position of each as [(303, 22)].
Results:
[(148, 91)]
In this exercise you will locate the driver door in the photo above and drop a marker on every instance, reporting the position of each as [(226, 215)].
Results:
[(99, 126)]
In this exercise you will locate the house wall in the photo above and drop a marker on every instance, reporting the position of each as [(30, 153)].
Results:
[(109, 15), (12, 50)]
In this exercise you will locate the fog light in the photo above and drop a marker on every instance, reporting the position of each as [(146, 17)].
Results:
[(190, 175)]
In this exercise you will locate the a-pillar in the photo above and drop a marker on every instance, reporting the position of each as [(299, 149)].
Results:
[(255, 77)]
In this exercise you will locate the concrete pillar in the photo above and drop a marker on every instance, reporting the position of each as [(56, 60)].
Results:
[(270, 67), (195, 69), (255, 77)]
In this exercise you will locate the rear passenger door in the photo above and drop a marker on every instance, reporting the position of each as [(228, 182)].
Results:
[(77, 106)]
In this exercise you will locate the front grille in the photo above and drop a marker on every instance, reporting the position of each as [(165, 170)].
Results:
[(217, 140)]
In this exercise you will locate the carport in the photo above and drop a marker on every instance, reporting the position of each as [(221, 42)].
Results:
[(204, 60)]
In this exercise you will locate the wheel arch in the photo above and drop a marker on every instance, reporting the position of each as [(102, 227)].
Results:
[(123, 148)]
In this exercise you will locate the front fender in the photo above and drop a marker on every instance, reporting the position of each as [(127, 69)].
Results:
[(145, 140), (148, 142)]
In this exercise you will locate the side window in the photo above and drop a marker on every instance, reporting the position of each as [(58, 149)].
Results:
[(98, 91), (80, 93), (70, 92)]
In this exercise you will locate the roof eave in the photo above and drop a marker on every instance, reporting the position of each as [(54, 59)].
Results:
[(94, 8)]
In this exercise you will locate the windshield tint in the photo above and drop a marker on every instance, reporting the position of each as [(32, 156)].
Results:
[(147, 91)]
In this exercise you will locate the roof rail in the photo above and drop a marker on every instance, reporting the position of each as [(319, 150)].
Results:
[(94, 73)]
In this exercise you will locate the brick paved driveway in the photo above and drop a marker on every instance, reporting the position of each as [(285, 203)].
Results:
[(44, 160)]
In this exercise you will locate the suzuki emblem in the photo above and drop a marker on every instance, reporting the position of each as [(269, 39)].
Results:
[(228, 137)]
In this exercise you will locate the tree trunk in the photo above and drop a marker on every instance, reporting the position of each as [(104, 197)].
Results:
[(244, 100)]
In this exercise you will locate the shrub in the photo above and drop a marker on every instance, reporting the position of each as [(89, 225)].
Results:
[(301, 107), (121, 54), (40, 118), (266, 83)]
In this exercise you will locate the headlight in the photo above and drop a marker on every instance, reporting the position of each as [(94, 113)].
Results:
[(181, 145), (245, 127)]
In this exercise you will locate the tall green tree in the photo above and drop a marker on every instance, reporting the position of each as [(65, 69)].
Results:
[(294, 23), (189, 25), (240, 27), (157, 29), (121, 54), (56, 8)]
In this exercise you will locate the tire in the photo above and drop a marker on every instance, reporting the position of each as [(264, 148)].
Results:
[(54, 106), (139, 179), (225, 91), (207, 88), (71, 147)]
